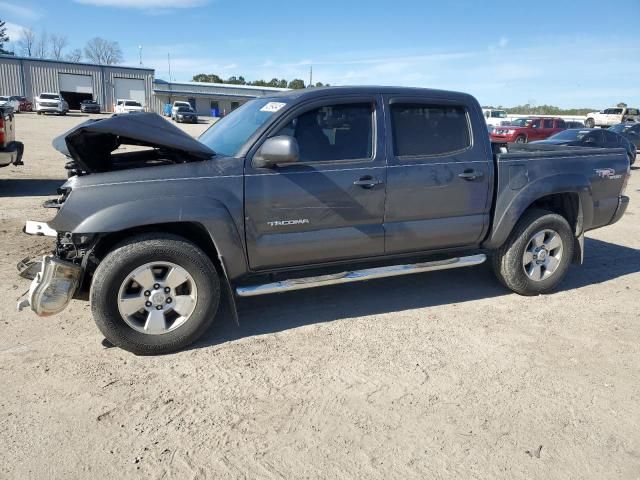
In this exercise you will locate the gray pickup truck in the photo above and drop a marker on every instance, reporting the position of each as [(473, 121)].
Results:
[(303, 189)]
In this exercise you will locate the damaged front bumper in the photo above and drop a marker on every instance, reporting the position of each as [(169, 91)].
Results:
[(53, 287)]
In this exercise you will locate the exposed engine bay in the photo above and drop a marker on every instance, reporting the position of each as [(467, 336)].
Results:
[(92, 146)]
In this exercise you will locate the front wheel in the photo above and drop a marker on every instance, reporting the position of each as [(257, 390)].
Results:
[(536, 256), (521, 139), (155, 294)]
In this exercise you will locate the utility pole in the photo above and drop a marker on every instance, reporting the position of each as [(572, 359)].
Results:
[(311, 75), (140, 53)]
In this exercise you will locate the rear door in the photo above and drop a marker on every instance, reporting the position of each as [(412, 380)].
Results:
[(546, 129), (438, 180), (330, 205)]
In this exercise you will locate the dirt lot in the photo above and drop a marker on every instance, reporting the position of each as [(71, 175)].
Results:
[(442, 375)]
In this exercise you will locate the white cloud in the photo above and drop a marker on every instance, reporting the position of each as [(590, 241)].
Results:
[(145, 4), (19, 11)]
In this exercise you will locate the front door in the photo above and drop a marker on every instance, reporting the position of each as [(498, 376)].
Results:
[(438, 181), (330, 205)]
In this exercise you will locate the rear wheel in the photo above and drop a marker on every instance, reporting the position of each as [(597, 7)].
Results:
[(521, 139), (155, 294), (537, 254), (590, 123)]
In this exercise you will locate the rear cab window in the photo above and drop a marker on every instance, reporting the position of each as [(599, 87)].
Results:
[(429, 129)]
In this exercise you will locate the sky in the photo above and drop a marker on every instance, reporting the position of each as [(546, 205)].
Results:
[(565, 52)]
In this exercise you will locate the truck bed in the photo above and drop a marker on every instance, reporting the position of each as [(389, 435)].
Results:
[(524, 173)]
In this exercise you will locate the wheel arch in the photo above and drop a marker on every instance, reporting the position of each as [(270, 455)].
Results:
[(566, 195)]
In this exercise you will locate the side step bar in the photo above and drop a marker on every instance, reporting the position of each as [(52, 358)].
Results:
[(359, 275)]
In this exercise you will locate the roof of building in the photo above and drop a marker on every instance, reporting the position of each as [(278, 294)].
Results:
[(49, 60)]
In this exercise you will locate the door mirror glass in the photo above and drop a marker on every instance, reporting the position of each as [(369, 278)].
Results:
[(280, 150)]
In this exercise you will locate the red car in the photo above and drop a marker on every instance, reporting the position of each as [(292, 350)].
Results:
[(525, 130), (25, 104)]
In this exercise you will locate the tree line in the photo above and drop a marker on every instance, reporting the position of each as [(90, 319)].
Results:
[(54, 46), (294, 84)]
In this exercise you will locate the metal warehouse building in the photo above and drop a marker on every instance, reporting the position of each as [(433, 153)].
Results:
[(207, 98), (30, 77)]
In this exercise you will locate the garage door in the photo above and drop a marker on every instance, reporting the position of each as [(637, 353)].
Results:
[(76, 83), (131, 88)]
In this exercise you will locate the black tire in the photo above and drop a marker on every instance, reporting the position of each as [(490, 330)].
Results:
[(521, 139), (131, 254), (508, 259), (589, 123)]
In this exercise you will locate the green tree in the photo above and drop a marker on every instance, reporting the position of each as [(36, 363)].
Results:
[(296, 84), (621, 105), (207, 78), (236, 80), (4, 38)]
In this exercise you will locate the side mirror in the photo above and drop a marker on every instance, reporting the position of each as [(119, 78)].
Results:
[(280, 150)]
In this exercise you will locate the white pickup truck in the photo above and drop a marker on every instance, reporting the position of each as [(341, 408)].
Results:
[(124, 105), (493, 117), (612, 116), (51, 103)]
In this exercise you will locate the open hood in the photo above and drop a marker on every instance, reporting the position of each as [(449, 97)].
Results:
[(92, 143)]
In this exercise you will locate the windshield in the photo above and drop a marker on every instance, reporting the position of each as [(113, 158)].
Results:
[(520, 122), (569, 135), (229, 134), (4, 99), (184, 109), (49, 96), (498, 114), (132, 104)]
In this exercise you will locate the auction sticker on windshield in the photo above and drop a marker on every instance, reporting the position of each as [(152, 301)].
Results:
[(272, 107)]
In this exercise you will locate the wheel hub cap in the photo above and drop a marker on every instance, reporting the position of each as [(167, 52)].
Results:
[(157, 298), (542, 255)]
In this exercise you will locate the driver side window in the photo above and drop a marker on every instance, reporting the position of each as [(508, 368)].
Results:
[(333, 132)]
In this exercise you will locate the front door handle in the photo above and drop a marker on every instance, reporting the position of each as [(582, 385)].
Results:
[(471, 175), (367, 182)]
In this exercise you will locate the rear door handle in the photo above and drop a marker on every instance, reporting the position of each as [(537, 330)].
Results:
[(471, 175), (367, 182)]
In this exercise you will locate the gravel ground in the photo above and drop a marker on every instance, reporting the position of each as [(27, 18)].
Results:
[(440, 375)]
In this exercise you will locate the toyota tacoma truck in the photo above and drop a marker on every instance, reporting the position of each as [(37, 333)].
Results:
[(303, 189)]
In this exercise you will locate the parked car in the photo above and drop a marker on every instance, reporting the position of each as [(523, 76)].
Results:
[(303, 189), (10, 149), (631, 131), (128, 106), (8, 101), (186, 114), (177, 104), (51, 103), (612, 116), (89, 106), (493, 117), (592, 137), (525, 130)]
